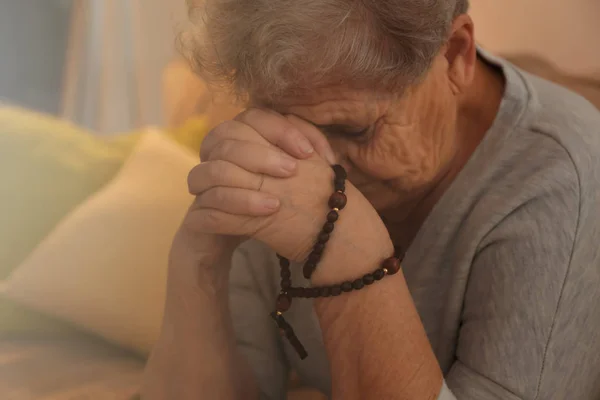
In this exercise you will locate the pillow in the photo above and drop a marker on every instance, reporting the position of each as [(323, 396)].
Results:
[(104, 266), (47, 167)]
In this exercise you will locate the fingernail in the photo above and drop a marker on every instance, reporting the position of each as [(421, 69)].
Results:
[(270, 203), (305, 146), (288, 164)]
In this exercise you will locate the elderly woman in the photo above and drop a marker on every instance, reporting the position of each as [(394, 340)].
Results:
[(486, 181)]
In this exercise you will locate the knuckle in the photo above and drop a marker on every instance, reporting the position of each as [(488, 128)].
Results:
[(219, 196), (217, 171), (222, 150), (211, 220), (219, 133), (288, 132)]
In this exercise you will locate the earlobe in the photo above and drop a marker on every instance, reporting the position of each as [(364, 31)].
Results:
[(461, 53)]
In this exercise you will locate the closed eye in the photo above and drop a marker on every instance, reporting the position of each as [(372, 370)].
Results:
[(350, 132)]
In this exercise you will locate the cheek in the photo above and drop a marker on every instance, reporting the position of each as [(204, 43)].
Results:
[(412, 154)]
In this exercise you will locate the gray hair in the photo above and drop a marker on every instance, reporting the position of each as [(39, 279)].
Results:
[(273, 47)]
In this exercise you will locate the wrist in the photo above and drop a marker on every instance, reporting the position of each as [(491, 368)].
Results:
[(357, 247), (199, 261)]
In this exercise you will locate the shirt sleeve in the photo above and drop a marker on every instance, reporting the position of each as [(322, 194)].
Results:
[(251, 304), (530, 321)]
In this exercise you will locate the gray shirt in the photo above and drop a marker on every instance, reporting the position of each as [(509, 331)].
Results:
[(505, 271)]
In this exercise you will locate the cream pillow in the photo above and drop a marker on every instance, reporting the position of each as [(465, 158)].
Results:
[(103, 268)]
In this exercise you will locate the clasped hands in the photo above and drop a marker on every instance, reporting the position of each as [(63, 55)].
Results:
[(268, 177)]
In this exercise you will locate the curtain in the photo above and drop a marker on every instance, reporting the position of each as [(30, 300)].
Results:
[(117, 52)]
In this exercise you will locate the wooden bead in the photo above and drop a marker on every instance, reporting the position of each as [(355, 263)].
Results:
[(340, 186), (333, 216), (314, 258), (346, 286), (328, 227), (308, 269), (340, 172), (392, 265), (358, 284), (285, 273), (368, 279), (336, 291), (323, 237), (283, 262), (338, 200), (286, 284), (314, 292), (379, 274), (318, 248), (325, 292), (284, 302)]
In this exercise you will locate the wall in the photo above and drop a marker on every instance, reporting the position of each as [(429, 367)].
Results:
[(567, 32), (33, 37)]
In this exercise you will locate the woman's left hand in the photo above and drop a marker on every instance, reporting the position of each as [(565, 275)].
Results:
[(291, 230)]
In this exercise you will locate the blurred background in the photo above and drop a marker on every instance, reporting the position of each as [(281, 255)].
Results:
[(101, 63), (100, 121)]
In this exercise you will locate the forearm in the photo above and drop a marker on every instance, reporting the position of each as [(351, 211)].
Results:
[(376, 343), (196, 355)]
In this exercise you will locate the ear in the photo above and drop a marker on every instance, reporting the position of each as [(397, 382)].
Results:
[(461, 53)]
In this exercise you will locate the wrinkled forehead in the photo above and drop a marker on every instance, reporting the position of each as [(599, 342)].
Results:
[(337, 104)]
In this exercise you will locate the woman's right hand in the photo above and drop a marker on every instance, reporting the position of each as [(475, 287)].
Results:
[(238, 154)]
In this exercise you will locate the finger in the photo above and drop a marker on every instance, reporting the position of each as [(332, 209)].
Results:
[(211, 174), (278, 131), (233, 130), (210, 220), (238, 201), (315, 136), (254, 158)]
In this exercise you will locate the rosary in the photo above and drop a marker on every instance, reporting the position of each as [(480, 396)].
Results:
[(390, 266)]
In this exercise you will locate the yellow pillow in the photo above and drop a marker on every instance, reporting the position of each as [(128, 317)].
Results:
[(47, 168), (104, 266)]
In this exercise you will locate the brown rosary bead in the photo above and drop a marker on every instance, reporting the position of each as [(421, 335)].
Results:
[(379, 274), (336, 291), (328, 227), (314, 257), (286, 284), (338, 200), (333, 216), (318, 249), (346, 286), (358, 284), (368, 279), (283, 262), (308, 269), (284, 302), (324, 292), (285, 273), (323, 237), (340, 172), (392, 265)]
